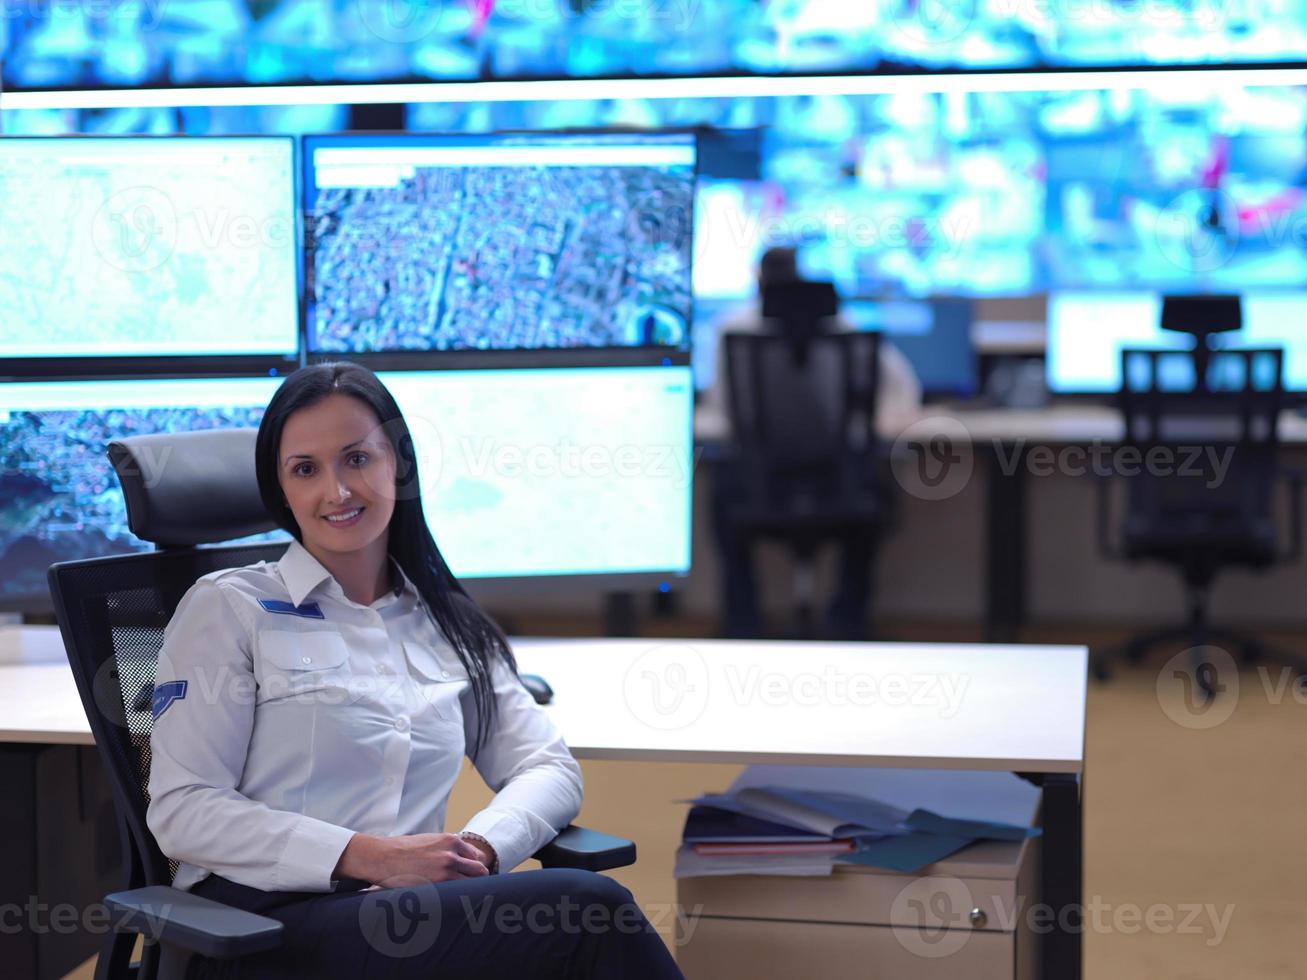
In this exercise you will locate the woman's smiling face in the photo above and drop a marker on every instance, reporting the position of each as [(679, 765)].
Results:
[(337, 470)]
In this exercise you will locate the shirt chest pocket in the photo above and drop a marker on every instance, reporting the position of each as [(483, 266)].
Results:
[(302, 665), (439, 676)]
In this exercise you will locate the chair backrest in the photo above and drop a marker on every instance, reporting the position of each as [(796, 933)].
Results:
[(803, 410), (800, 309), (187, 490), (1206, 429), (112, 613), (806, 415)]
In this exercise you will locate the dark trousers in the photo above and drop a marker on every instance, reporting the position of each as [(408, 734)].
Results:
[(547, 924)]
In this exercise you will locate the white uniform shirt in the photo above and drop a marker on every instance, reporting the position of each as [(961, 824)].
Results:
[(288, 718)]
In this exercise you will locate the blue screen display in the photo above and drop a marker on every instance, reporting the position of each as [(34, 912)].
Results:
[(1018, 193), (511, 242), (124, 43), (1088, 330), (122, 247), (1193, 184), (934, 335), (537, 472), (555, 471), (59, 497)]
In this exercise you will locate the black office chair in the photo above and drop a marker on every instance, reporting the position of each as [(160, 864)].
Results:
[(1189, 515), (803, 411), (182, 491)]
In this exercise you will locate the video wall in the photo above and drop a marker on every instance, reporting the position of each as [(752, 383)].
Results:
[(126, 43), (1186, 185), (135, 272), (906, 148)]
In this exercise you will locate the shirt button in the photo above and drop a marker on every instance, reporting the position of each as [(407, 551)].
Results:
[(390, 780), (307, 660), (444, 674), (401, 724), (383, 669)]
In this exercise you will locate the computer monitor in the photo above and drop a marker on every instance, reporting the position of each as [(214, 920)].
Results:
[(934, 335), (1088, 330), (582, 472), (502, 242), (148, 247), (555, 471), (59, 497), (733, 220)]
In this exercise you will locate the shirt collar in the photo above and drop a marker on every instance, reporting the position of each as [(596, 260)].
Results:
[(303, 573)]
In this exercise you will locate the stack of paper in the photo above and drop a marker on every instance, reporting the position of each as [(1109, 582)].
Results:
[(779, 821)]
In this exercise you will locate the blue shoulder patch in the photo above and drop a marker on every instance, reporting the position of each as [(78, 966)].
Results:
[(310, 610), (164, 695)]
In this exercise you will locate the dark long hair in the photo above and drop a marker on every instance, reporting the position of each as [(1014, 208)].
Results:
[(475, 637)]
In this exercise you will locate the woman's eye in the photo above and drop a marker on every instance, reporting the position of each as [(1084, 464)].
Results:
[(358, 459), (303, 469)]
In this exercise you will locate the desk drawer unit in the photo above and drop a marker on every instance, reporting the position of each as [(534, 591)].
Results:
[(970, 916)]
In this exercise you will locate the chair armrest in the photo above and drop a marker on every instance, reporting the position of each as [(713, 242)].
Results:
[(589, 850), (190, 922)]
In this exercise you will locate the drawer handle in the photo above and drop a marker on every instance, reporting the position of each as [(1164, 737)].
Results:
[(978, 918)]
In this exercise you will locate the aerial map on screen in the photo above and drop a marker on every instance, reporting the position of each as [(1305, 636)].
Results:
[(500, 246)]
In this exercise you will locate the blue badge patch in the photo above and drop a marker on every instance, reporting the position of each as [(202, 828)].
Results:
[(310, 610), (165, 694)]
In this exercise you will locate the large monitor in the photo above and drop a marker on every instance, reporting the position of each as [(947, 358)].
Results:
[(67, 43), (555, 471), (1088, 330), (934, 335), (550, 472), (507, 242), (994, 193), (148, 247), (1167, 198), (59, 497)]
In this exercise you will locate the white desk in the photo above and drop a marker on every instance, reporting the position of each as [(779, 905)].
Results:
[(891, 705), (39, 703), (945, 706)]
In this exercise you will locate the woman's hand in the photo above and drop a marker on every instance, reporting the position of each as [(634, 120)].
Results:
[(417, 858)]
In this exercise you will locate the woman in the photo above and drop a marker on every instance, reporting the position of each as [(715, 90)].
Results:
[(319, 710)]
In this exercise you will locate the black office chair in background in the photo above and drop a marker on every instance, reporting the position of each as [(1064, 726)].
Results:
[(803, 410), (1192, 413), (182, 491)]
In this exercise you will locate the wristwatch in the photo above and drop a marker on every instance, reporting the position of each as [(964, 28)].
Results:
[(494, 864)]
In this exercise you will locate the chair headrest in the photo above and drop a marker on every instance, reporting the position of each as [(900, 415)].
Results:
[(188, 488)]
